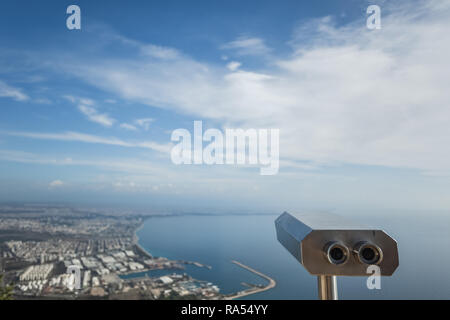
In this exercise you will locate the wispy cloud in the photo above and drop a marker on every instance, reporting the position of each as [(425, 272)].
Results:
[(93, 115), (128, 126), (87, 107), (11, 92), (144, 123), (138, 123), (234, 65), (87, 138), (56, 184), (159, 52), (248, 46), (124, 165), (148, 49)]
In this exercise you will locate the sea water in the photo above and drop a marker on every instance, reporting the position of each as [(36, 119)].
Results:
[(424, 242)]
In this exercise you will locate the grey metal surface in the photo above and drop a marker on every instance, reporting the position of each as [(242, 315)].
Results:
[(327, 287), (327, 221), (306, 236)]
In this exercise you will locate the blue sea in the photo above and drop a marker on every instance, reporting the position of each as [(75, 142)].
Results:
[(423, 239)]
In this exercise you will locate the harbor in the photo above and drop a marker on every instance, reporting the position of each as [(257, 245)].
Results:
[(252, 289)]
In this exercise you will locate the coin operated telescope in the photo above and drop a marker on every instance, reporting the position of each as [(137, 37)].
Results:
[(328, 246)]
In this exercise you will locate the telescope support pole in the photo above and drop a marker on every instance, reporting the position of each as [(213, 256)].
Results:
[(327, 287)]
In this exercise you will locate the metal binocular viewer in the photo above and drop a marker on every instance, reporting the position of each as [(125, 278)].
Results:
[(328, 246)]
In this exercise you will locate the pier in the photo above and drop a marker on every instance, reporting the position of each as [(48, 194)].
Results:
[(253, 290)]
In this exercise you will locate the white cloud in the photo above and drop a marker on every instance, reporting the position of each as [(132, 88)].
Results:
[(56, 183), (248, 46), (86, 102), (120, 165), (144, 123), (87, 107), (234, 65), (147, 49), (128, 126), (141, 123), (93, 115), (159, 52), (11, 92), (354, 96), (70, 98), (87, 138)]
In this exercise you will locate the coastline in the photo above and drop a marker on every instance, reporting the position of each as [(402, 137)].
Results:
[(136, 240), (236, 295)]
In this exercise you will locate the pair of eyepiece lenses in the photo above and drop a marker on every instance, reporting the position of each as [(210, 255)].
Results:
[(367, 253)]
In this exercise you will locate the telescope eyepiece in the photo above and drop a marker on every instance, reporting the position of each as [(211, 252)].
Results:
[(368, 253), (336, 253)]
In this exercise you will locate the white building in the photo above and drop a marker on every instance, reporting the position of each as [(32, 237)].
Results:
[(86, 279), (38, 272), (165, 280)]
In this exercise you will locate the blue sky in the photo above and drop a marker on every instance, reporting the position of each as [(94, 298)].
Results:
[(86, 115)]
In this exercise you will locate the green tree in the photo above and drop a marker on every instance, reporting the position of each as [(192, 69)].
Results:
[(5, 291)]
